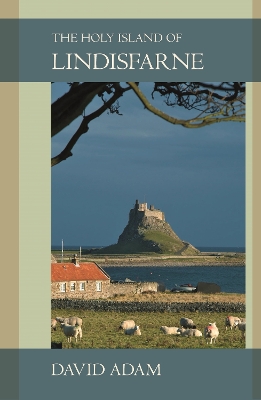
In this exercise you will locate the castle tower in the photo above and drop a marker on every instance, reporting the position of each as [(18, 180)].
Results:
[(136, 207)]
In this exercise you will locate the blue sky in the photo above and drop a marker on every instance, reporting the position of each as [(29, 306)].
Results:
[(195, 176)]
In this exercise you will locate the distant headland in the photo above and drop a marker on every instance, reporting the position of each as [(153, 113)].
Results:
[(148, 232), (148, 240)]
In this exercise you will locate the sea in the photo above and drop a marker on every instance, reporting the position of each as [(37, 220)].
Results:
[(205, 249), (230, 279)]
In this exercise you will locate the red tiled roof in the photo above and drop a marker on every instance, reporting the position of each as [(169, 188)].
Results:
[(70, 272)]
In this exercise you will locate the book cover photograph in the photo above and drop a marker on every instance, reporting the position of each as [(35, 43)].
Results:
[(130, 172), (174, 276)]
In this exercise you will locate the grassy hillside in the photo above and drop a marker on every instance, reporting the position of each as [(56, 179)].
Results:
[(152, 241)]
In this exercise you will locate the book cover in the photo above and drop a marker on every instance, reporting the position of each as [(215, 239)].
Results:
[(27, 197)]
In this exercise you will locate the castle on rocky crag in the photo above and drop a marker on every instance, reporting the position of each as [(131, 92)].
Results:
[(141, 210), (148, 232)]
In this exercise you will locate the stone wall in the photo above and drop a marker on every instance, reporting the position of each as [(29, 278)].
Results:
[(139, 214), (108, 289), (155, 213), (142, 306), (142, 210), (134, 288)]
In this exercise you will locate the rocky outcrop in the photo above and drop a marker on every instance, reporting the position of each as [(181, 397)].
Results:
[(137, 227), (148, 232)]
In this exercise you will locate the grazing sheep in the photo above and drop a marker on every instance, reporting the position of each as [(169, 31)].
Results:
[(71, 331), (133, 331), (211, 331), (187, 323), (70, 320), (53, 324), (73, 321), (241, 320), (190, 332), (170, 330), (128, 324), (242, 327), (231, 322), (59, 319)]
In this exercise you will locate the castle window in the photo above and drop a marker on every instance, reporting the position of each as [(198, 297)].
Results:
[(72, 286), (63, 287), (98, 286), (82, 285)]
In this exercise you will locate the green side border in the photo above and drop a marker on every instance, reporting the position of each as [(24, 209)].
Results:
[(34, 213)]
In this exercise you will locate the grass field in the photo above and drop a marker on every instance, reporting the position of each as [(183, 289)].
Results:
[(169, 296), (100, 330)]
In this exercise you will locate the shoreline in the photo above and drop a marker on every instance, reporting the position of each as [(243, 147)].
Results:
[(167, 264), (135, 260), (165, 261)]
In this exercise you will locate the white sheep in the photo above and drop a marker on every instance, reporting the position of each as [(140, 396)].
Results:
[(70, 320), (190, 332), (73, 321), (170, 330), (71, 331), (241, 320), (53, 324), (128, 324), (231, 322), (133, 331), (59, 319), (211, 331), (187, 323)]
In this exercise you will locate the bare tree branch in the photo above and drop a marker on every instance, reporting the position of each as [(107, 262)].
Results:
[(209, 103), (190, 123), (83, 128), (70, 106)]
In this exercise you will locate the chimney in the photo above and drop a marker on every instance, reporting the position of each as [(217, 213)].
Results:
[(75, 260)]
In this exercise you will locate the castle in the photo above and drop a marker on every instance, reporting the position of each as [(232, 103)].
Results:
[(148, 232), (141, 210)]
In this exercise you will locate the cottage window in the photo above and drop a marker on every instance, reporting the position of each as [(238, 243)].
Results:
[(62, 287), (72, 286), (98, 286), (82, 285)]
